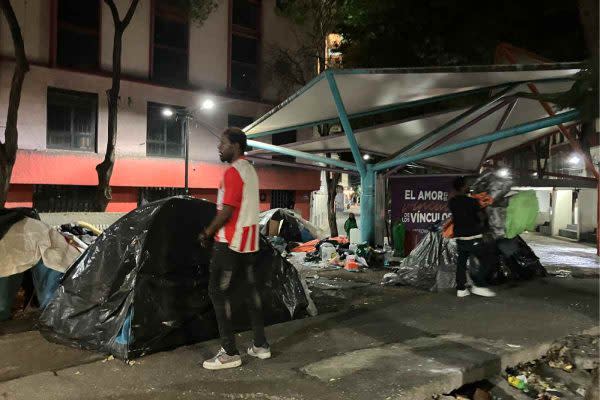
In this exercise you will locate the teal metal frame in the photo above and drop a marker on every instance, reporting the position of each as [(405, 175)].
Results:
[(487, 138), (368, 172), (300, 154), (367, 175)]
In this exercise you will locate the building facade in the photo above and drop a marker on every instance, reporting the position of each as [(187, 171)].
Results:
[(170, 66)]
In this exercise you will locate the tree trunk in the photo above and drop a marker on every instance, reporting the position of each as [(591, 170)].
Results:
[(105, 168), (8, 149), (333, 179)]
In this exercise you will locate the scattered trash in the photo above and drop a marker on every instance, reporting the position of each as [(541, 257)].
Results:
[(514, 346), (335, 284), (561, 273), (557, 375), (432, 264), (519, 382)]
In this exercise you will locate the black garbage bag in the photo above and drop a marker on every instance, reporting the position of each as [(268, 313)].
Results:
[(432, 264), (520, 259), (142, 286)]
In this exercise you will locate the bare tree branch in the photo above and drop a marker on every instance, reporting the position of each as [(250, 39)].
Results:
[(114, 11), (130, 12)]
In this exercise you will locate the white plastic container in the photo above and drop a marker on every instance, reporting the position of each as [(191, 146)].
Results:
[(354, 235)]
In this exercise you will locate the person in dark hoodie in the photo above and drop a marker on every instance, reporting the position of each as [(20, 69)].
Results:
[(468, 220), (350, 224)]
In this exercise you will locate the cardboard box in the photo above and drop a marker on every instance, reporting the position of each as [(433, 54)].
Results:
[(273, 228)]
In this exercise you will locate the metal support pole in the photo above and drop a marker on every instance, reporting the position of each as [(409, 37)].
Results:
[(341, 109), (186, 132), (487, 138), (367, 204)]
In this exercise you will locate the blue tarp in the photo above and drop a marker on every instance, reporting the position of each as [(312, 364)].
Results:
[(45, 282)]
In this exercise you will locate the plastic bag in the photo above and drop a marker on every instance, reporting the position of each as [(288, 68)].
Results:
[(521, 214)]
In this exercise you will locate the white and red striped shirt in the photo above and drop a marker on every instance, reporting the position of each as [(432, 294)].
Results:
[(239, 189)]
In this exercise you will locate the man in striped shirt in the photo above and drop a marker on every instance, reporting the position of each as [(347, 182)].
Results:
[(235, 231)]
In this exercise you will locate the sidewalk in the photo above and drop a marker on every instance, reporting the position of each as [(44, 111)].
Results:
[(562, 253), (399, 343)]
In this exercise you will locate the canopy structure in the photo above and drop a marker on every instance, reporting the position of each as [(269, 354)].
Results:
[(459, 138)]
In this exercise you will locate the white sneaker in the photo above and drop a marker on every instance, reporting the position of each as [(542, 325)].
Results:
[(223, 361), (260, 352), (463, 293), (482, 291)]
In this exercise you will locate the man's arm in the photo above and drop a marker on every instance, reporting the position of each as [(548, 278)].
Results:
[(217, 223)]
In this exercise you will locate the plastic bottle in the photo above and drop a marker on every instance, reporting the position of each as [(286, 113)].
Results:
[(387, 252)]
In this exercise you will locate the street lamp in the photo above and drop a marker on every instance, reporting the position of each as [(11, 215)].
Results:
[(366, 157), (574, 160), (207, 104), (186, 115)]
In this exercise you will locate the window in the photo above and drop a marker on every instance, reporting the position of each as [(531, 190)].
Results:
[(170, 48), (283, 199), (245, 45), (78, 34), (64, 198), (165, 136), (71, 120), (239, 121)]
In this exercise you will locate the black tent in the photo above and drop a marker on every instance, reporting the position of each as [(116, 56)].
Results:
[(142, 285)]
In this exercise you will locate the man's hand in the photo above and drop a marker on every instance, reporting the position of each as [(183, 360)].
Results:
[(205, 239)]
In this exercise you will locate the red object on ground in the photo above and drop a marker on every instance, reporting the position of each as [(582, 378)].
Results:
[(352, 266), (309, 247)]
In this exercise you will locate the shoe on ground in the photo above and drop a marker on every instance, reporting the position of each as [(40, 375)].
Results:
[(260, 352), (482, 291), (463, 293), (223, 361)]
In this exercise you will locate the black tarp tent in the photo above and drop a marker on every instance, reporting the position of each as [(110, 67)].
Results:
[(142, 286)]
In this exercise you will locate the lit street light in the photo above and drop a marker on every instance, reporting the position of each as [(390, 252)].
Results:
[(574, 159), (186, 116), (502, 172), (366, 157), (207, 104)]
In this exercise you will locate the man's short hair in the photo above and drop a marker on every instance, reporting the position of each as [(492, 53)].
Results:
[(459, 183), (236, 135)]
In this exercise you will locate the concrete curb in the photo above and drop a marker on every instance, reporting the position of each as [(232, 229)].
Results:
[(436, 376)]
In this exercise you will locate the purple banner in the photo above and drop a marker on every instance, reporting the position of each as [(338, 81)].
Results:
[(420, 202)]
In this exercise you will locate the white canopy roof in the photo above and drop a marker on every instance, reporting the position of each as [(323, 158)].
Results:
[(365, 92)]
